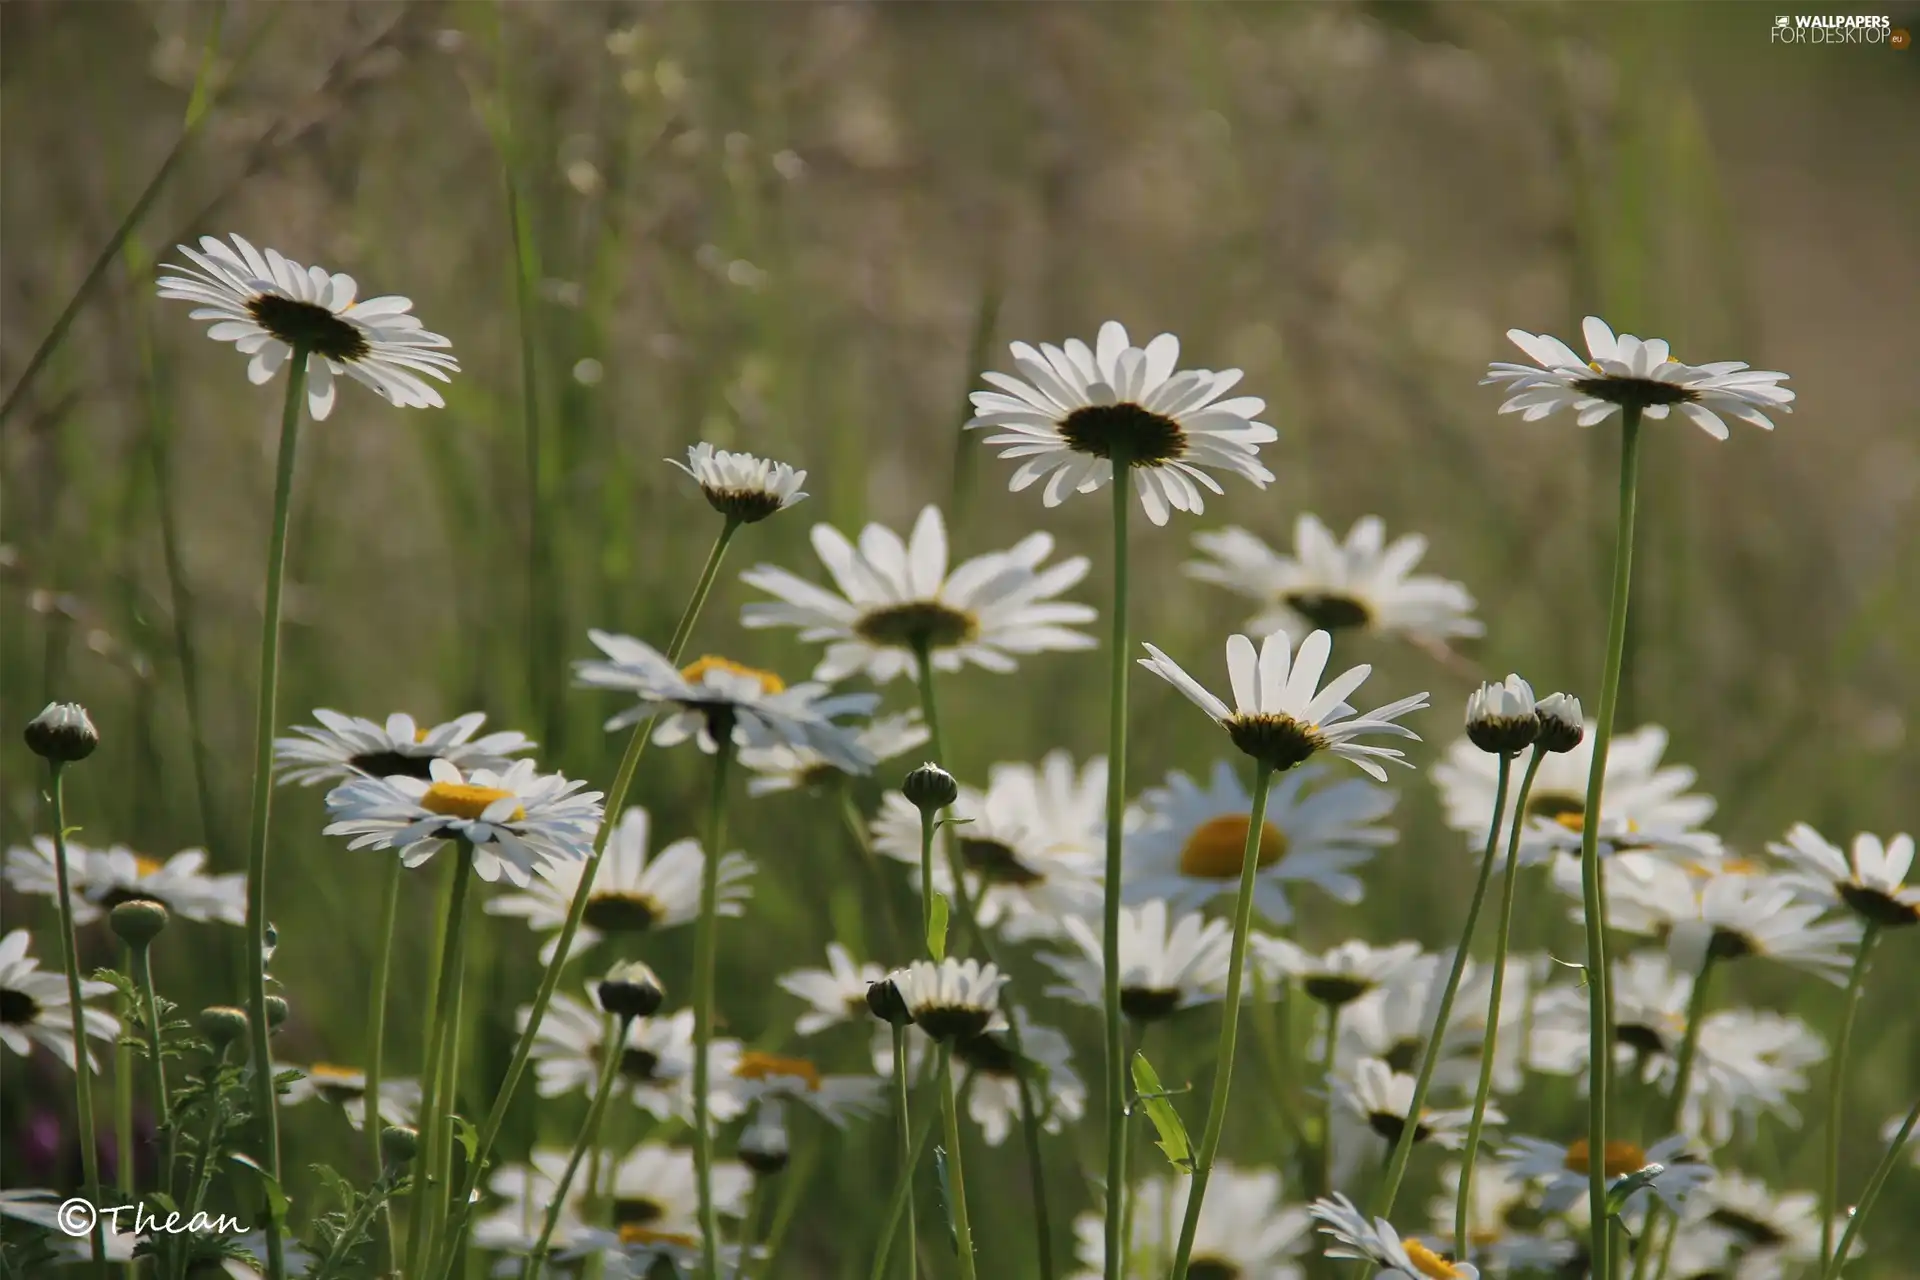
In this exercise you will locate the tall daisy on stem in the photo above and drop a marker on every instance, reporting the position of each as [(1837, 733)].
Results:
[(282, 313), (1084, 418), (1640, 380), (744, 490), (1281, 718)]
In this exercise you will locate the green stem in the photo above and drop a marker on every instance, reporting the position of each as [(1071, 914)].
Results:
[(1875, 1182), (928, 822), (265, 1096), (908, 1154), (82, 1066), (156, 1065), (1436, 1038), (437, 1140), (1116, 1080), (1229, 1020), (1830, 1185), (720, 728), (596, 1112), (902, 1198), (1490, 1039), (1676, 1108), (377, 1035), (957, 1180), (577, 909), (123, 1104), (1329, 1049), (1599, 1046), (203, 1158)]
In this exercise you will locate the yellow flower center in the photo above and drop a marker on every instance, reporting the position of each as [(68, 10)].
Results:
[(768, 1066), (635, 1234), (1725, 867), (1214, 850), (1429, 1263), (465, 800), (419, 735), (1622, 1158), (769, 682), (144, 866), (329, 1072)]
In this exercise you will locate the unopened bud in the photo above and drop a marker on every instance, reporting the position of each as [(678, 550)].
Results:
[(397, 1145), (139, 922), (222, 1024), (929, 788), (277, 1011), (1562, 725), (62, 734), (631, 990), (886, 1002)]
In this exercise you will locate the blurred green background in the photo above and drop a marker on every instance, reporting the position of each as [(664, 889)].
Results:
[(801, 229)]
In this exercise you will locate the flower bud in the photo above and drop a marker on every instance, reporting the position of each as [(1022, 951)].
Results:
[(397, 1145), (1562, 725), (62, 734), (222, 1024), (886, 1002), (929, 788), (631, 990), (139, 922), (763, 1144), (1500, 717), (277, 1011)]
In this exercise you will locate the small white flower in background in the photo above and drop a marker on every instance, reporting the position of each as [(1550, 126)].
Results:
[(1382, 1099), (34, 1008), (1073, 410), (345, 747), (1396, 1020), (988, 1063), (1507, 1233), (1185, 841), (656, 1062), (1561, 1169), (1891, 1130), (786, 768), (1501, 718), (837, 993), (346, 1088), (517, 821), (951, 999), (763, 710), (756, 1077), (656, 1214), (1278, 718), (1625, 370), (1030, 844), (1342, 975), (1870, 881), (1773, 1233), (740, 486), (1733, 915), (102, 879), (1246, 1229), (633, 893), (895, 595), (1168, 961), (1364, 584), (267, 306), (1377, 1242), (513, 1228)]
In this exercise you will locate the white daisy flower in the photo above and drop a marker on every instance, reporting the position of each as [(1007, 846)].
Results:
[(988, 1062), (655, 1185), (894, 596), (1561, 1169), (346, 747), (757, 1077), (1246, 1230), (1377, 1242), (637, 1251), (1168, 961), (102, 879), (741, 486), (785, 768), (1507, 1232), (268, 306), (1395, 1021), (1278, 718), (1072, 411), (517, 821), (1365, 584), (1031, 843), (633, 892), (34, 1008), (952, 999), (514, 1228), (1501, 717), (1339, 976), (764, 712), (1625, 370), (837, 993), (1185, 841), (1773, 1233), (346, 1088), (1870, 882), (1648, 805), (656, 1062), (1735, 915), (1382, 1098)]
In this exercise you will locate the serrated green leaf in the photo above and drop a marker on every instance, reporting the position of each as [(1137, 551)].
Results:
[(466, 1135), (1154, 1100), (937, 928), (276, 1194)]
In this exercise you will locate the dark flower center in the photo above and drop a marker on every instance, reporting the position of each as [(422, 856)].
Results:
[(1881, 908), (1142, 437), (748, 506), (989, 1055), (1389, 1126), (915, 623), (1148, 1004), (1336, 989), (1728, 945), (639, 1064), (1276, 740), (1635, 391), (1640, 1038), (1403, 1056), (618, 912), (310, 327), (17, 1008), (952, 1021), (387, 764), (1329, 610), (1748, 1228), (1555, 805), (1212, 1269), (819, 775), (636, 1211), (997, 862)]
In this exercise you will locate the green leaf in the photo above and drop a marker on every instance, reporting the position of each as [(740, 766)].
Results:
[(946, 1196), (1155, 1101), (1623, 1189), (937, 928), (276, 1194), (467, 1136)]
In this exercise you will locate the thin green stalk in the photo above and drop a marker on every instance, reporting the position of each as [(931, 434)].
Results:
[(1876, 1181), (902, 1199), (1328, 1050), (956, 1175), (82, 1067), (1116, 1067), (907, 1154), (377, 1033), (576, 910), (201, 1176), (1491, 1037), (123, 1107), (928, 822), (438, 1109), (1229, 1021), (265, 1097), (1403, 1148), (705, 945), (1830, 1184), (1676, 1108), (156, 1064), (1599, 1045), (589, 1130)]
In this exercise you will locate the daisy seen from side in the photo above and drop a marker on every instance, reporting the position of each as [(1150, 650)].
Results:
[(1169, 960), (343, 747), (102, 879), (1377, 1242), (1869, 879), (741, 486), (35, 1008), (787, 768), (835, 994)]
